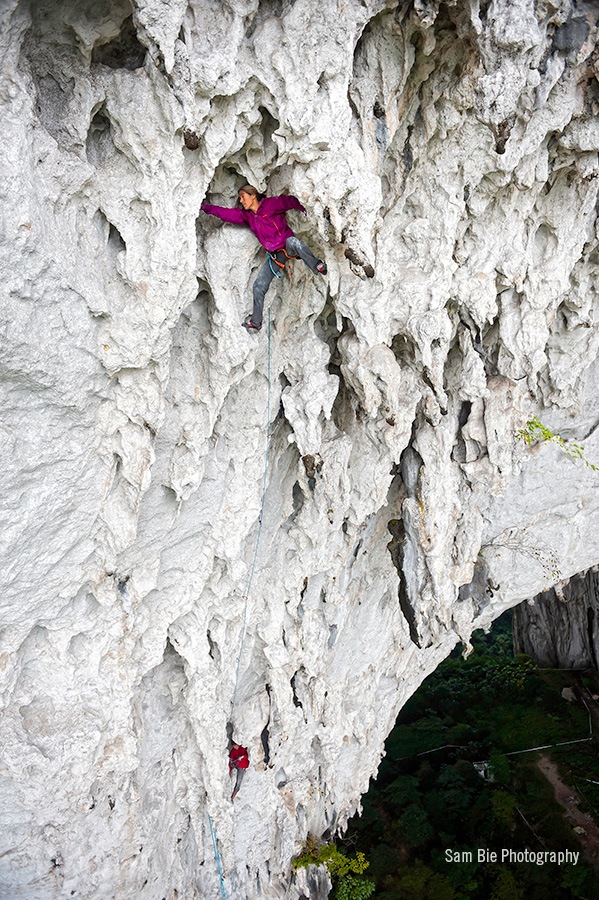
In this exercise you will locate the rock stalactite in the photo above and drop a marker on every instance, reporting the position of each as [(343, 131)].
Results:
[(447, 155)]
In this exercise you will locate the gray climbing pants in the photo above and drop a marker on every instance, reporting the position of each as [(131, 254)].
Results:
[(294, 247), (238, 779)]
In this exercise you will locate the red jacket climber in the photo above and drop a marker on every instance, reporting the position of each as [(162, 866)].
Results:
[(266, 218), (238, 759)]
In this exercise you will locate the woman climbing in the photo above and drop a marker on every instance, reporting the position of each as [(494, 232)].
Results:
[(238, 760), (267, 220)]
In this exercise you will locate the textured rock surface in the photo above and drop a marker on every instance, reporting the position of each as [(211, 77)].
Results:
[(560, 627), (451, 147)]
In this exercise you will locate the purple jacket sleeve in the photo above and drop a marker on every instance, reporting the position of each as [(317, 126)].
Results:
[(237, 216), (282, 203)]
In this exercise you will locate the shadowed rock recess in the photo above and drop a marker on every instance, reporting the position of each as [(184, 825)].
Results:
[(446, 154), (559, 628)]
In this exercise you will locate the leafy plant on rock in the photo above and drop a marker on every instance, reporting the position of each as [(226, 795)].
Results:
[(534, 431), (346, 873)]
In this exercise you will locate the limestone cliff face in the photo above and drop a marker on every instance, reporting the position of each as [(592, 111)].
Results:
[(451, 147), (559, 628)]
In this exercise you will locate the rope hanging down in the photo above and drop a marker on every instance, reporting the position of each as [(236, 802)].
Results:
[(247, 593), (217, 858)]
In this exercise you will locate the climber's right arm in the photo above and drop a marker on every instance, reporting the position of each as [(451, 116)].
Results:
[(237, 216)]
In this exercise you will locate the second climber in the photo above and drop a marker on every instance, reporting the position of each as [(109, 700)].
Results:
[(238, 760), (266, 218)]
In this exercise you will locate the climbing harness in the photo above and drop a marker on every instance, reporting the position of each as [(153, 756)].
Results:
[(217, 858), (247, 593), (272, 258)]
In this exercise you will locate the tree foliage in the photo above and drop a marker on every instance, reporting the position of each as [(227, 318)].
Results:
[(346, 872), (430, 794)]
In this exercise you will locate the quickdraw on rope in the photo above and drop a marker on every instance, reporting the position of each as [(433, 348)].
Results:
[(217, 858), (247, 593)]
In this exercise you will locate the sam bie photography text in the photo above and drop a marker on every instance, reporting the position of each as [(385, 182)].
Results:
[(538, 858)]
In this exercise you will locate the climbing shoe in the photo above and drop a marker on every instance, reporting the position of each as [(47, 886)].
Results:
[(322, 268), (249, 325)]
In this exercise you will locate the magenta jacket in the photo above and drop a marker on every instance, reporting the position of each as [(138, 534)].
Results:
[(268, 224)]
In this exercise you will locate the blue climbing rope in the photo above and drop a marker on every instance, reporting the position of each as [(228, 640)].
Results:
[(247, 593), (217, 858), (279, 273)]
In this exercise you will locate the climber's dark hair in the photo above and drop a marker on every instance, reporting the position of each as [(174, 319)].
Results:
[(250, 189)]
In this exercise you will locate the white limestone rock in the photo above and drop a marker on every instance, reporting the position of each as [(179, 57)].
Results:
[(453, 153)]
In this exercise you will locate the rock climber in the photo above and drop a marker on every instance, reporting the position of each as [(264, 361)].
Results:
[(266, 218), (238, 759)]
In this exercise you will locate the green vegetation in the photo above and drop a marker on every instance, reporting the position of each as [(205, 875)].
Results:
[(535, 431), (346, 873), (430, 797)]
